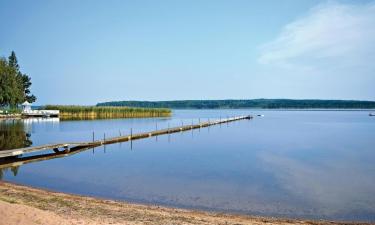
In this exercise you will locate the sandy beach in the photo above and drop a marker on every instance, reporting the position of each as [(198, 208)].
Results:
[(29, 206)]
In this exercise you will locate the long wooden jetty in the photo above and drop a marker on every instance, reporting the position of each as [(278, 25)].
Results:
[(67, 146)]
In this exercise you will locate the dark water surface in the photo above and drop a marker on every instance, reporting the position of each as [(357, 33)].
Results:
[(304, 164)]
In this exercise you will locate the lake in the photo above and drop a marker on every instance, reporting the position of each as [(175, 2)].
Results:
[(299, 164)]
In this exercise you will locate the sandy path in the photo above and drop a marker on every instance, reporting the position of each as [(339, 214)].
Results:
[(29, 206), (21, 214)]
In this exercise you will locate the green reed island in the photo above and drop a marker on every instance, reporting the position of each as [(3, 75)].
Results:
[(101, 112)]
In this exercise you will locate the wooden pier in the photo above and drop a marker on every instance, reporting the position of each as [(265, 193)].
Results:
[(66, 147)]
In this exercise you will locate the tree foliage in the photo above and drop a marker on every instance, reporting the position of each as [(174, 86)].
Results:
[(14, 85)]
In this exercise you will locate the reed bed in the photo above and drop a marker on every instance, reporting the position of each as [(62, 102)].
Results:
[(105, 112)]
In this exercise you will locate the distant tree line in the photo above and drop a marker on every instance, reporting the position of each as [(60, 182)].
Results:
[(14, 85), (252, 103)]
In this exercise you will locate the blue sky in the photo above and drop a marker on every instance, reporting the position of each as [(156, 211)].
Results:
[(84, 52)]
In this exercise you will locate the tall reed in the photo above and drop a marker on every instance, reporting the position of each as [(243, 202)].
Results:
[(103, 112)]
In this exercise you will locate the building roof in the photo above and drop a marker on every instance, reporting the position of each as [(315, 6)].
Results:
[(26, 103)]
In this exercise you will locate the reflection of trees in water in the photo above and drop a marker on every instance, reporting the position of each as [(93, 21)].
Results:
[(13, 135), (14, 170)]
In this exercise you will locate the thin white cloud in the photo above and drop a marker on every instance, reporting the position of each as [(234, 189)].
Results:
[(330, 35)]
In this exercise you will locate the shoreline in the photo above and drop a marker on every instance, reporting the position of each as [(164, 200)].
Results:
[(11, 116), (26, 205)]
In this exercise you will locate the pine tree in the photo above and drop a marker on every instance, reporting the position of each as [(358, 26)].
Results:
[(13, 62), (11, 92), (23, 78), (14, 85)]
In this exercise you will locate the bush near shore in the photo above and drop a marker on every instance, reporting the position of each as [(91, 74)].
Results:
[(96, 112)]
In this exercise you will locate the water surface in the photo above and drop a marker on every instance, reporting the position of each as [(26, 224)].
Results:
[(302, 164)]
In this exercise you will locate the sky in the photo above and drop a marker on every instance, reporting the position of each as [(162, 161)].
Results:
[(85, 52)]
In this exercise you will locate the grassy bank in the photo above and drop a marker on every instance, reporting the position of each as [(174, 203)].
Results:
[(36, 206), (97, 112)]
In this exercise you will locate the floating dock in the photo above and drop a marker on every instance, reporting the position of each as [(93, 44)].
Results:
[(67, 146), (41, 113)]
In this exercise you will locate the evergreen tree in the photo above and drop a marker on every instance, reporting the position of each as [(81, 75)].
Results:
[(11, 92), (14, 85), (13, 62), (26, 82)]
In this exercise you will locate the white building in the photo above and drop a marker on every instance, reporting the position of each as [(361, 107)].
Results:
[(26, 107), (28, 112)]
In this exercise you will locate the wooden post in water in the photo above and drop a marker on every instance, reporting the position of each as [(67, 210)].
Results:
[(156, 128), (131, 138), (208, 127), (192, 130), (104, 142), (93, 140), (169, 136)]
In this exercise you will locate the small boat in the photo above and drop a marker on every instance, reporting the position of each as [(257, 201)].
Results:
[(261, 115), (371, 114)]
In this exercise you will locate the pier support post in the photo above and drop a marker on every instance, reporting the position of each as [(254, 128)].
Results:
[(131, 138), (66, 149)]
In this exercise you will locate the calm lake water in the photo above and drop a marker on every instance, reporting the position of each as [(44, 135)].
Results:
[(302, 164)]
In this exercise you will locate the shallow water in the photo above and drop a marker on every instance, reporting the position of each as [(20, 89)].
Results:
[(303, 164)]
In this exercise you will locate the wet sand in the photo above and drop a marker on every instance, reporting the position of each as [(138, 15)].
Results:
[(29, 206)]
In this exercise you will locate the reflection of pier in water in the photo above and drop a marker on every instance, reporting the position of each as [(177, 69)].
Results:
[(14, 163)]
